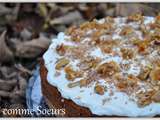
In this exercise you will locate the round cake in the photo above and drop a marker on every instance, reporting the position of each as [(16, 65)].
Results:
[(106, 67)]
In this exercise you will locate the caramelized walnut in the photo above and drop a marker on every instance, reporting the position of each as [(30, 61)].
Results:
[(61, 49), (99, 89), (61, 63), (71, 74), (108, 69), (156, 97), (132, 81), (144, 73), (81, 83), (155, 74), (107, 45), (135, 17), (75, 33), (127, 53), (144, 30), (141, 44), (155, 37), (122, 86), (145, 98), (127, 30), (70, 30), (123, 83), (109, 19), (89, 63), (157, 19)]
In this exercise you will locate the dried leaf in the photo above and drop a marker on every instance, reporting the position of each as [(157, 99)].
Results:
[(4, 50), (7, 85), (127, 9), (4, 10), (43, 9), (69, 18), (33, 48)]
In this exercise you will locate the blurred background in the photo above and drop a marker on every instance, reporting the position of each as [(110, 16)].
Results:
[(26, 31)]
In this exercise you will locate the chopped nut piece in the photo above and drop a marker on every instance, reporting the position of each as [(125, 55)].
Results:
[(108, 69), (81, 83), (99, 89), (61, 63), (132, 80), (61, 50), (122, 85), (127, 53), (155, 74), (142, 44), (157, 19), (107, 45), (127, 30), (144, 73), (109, 19), (71, 74), (144, 30), (71, 29), (145, 98), (89, 63), (155, 37), (135, 17), (156, 97), (74, 84)]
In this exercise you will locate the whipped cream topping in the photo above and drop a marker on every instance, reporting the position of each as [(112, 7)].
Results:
[(119, 103)]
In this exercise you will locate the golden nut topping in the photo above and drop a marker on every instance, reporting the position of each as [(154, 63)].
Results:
[(61, 63), (142, 44), (74, 84), (144, 73), (122, 85), (135, 17), (127, 30), (132, 80), (145, 98), (127, 53), (71, 74), (157, 19), (155, 74), (156, 97), (81, 83), (109, 19), (108, 69), (61, 49), (99, 89)]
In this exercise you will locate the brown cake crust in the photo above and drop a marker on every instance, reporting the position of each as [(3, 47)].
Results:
[(55, 100)]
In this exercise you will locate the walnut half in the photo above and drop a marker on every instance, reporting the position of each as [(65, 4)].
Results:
[(99, 89), (72, 74), (108, 69), (155, 74), (127, 53), (61, 63)]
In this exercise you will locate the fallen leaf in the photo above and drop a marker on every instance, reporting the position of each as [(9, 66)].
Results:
[(7, 85), (127, 9), (69, 18), (4, 10), (5, 53), (33, 48)]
